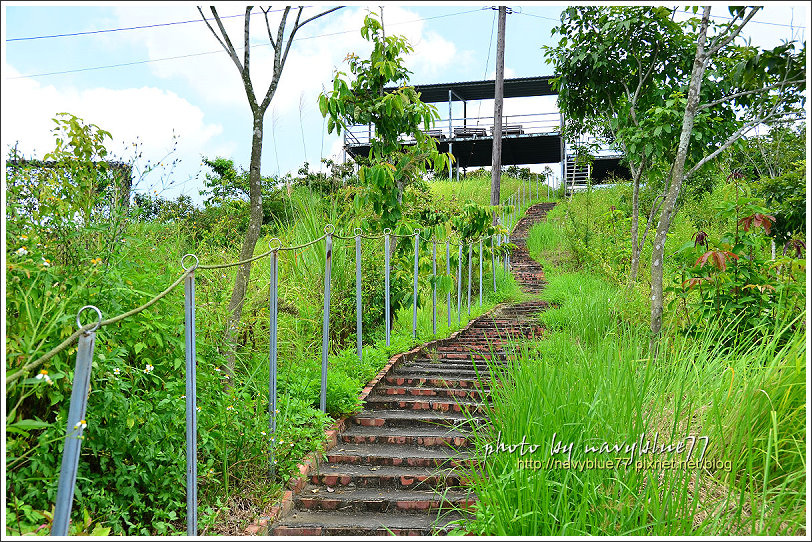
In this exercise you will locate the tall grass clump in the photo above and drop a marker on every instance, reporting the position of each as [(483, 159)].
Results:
[(590, 383)]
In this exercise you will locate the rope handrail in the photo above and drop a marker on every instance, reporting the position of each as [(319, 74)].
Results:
[(86, 328)]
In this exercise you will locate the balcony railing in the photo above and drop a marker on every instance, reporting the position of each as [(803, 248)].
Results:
[(467, 128)]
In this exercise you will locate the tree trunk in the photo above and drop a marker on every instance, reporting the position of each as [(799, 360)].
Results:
[(636, 246), (677, 174), (249, 243)]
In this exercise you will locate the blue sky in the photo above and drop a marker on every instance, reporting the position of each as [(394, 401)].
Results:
[(199, 98)]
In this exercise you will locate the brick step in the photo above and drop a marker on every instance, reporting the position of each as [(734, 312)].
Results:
[(458, 364), (438, 404), (310, 523), (439, 372), (413, 436), (467, 354), (397, 455), (400, 380), (414, 418), (420, 391), (338, 475), (400, 462), (364, 500)]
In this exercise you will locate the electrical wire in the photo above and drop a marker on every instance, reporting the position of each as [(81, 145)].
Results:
[(137, 62), (89, 32)]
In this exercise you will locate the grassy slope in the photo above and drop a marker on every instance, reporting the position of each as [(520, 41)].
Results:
[(590, 382)]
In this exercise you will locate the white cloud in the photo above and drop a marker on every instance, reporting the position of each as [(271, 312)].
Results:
[(148, 115)]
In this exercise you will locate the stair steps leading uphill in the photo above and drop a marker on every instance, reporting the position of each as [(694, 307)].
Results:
[(395, 466)]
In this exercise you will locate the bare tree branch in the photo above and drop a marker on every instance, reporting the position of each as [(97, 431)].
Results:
[(747, 93), (716, 46), (229, 50), (729, 141), (246, 31), (268, 26), (650, 221), (322, 14)]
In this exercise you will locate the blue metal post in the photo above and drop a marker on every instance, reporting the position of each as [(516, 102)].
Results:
[(470, 258), (386, 283), (448, 273), (358, 314), (325, 329), (459, 285), (191, 401), (493, 263), (414, 291), (434, 286), (274, 310), (75, 427), (480, 272)]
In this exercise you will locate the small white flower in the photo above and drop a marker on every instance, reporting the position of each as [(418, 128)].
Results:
[(46, 263), (217, 369), (22, 251), (81, 425), (148, 369), (230, 407), (263, 433), (183, 396), (23, 238), (116, 371), (199, 409)]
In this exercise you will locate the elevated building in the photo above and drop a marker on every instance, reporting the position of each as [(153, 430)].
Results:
[(532, 137)]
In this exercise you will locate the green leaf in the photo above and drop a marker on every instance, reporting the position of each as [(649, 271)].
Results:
[(139, 346)]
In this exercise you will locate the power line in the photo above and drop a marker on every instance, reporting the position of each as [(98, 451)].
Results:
[(156, 25), (683, 11), (137, 62)]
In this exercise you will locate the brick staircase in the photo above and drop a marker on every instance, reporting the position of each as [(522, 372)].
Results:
[(392, 470)]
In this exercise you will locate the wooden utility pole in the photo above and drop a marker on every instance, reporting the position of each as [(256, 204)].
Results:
[(496, 160)]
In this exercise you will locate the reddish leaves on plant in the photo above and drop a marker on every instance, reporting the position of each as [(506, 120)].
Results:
[(700, 238), (718, 258), (695, 281), (735, 175), (795, 244), (758, 219)]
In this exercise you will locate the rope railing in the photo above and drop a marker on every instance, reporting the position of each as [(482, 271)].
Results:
[(85, 334)]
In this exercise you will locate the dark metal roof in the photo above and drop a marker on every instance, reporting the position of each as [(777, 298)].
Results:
[(484, 90)]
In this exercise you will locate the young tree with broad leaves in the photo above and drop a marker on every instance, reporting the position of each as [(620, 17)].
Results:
[(613, 65), (281, 47), (762, 87), (361, 100), (648, 79)]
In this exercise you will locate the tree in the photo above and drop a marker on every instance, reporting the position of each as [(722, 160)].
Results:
[(667, 63), (613, 65), (397, 114), (764, 88), (281, 48)]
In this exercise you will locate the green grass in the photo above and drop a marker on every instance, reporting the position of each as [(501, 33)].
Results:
[(590, 381)]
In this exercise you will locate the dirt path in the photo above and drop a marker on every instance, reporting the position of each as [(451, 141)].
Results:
[(392, 470)]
